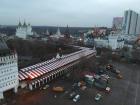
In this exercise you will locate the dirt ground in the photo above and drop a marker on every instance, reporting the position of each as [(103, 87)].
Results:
[(123, 92)]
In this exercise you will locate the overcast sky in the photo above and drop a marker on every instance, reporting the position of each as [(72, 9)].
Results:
[(63, 12)]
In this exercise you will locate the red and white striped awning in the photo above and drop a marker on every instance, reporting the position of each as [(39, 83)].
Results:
[(42, 68), (22, 75), (38, 71)]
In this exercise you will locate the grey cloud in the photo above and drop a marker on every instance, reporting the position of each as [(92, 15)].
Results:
[(62, 12)]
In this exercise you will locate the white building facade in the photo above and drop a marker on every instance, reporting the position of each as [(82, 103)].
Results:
[(115, 42), (8, 74), (112, 41), (8, 69), (24, 30)]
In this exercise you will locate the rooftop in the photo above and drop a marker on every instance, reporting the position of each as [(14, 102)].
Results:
[(3, 47)]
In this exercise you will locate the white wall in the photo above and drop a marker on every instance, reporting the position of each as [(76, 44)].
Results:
[(112, 42), (8, 73)]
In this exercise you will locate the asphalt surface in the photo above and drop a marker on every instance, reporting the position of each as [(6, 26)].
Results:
[(129, 87), (123, 91)]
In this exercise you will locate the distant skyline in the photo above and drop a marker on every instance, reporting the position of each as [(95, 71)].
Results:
[(75, 13)]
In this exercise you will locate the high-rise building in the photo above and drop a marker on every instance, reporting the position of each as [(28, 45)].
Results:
[(8, 69), (138, 26), (117, 23), (131, 23)]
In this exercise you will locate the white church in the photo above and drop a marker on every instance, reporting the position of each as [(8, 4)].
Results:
[(23, 30), (113, 41), (57, 35)]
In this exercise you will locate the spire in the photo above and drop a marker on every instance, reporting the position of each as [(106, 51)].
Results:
[(58, 31), (24, 24), (19, 24), (29, 24), (67, 33), (47, 32)]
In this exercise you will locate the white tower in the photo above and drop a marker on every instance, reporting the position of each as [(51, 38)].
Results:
[(58, 32), (47, 32), (29, 30), (58, 56)]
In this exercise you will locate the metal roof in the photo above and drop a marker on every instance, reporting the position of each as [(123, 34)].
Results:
[(40, 69)]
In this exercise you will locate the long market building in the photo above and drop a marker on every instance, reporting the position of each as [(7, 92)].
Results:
[(36, 75)]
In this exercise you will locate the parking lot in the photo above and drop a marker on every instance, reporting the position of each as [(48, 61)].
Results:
[(123, 91)]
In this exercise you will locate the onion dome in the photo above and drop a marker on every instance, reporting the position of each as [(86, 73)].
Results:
[(24, 25)]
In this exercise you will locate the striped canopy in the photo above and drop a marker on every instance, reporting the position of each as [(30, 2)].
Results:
[(42, 68)]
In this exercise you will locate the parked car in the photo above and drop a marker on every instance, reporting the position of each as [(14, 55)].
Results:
[(109, 66), (83, 87), (117, 72), (98, 97), (75, 86), (105, 76), (76, 98), (72, 95), (112, 69), (81, 83), (107, 90), (45, 87), (119, 76), (101, 71), (99, 85), (97, 76)]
